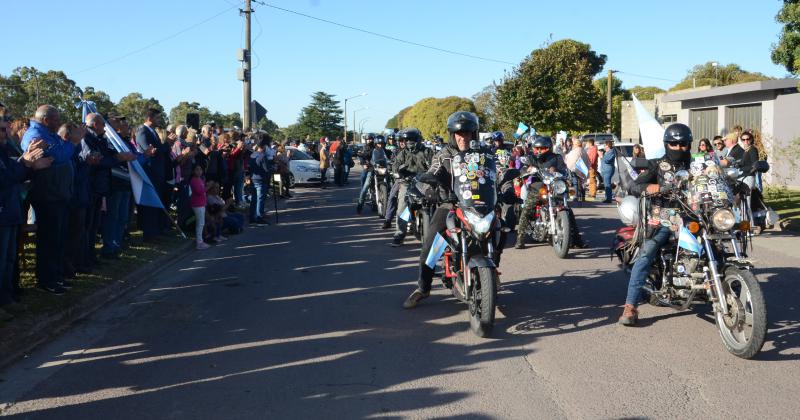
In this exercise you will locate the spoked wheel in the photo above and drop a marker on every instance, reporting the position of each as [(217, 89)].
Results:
[(482, 301), (743, 329), (382, 198), (562, 239)]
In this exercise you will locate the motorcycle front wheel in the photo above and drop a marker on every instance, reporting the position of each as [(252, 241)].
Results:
[(744, 328), (382, 198), (482, 301), (562, 239)]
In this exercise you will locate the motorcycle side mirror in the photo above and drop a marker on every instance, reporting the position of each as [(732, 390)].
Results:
[(639, 163), (761, 166)]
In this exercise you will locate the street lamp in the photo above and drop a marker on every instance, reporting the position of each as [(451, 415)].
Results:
[(361, 124), (345, 112), (716, 66), (354, 121)]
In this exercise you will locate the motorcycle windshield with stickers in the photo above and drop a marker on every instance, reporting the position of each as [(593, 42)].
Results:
[(471, 237)]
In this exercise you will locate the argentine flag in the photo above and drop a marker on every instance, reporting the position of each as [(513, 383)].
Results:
[(688, 241), (144, 193), (580, 165), (521, 129), (436, 252), (405, 215)]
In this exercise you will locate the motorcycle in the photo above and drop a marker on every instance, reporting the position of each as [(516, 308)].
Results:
[(420, 207), (705, 263), (473, 227), (745, 200), (550, 221), (380, 189)]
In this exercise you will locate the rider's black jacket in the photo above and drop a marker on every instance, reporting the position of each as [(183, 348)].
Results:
[(365, 154), (505, 185), (549, 160), (441, 167), (412, 161), (659, 171)]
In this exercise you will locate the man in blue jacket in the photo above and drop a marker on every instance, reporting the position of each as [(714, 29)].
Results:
[(609, 159), (51, 190)]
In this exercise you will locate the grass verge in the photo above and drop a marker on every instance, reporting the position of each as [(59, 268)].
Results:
[(786, 202)]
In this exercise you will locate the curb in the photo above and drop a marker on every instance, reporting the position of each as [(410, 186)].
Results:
[(48, 327)]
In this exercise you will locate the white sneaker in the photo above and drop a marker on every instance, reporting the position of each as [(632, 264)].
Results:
[(203, 245)]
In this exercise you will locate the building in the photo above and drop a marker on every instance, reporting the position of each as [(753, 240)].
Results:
[(771, 107)]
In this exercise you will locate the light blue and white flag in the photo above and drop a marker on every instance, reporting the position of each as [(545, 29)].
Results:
[(521, 129), (580, 165), (688, 241), (144, 193), (436, 252), (406, 214), (652, 132)]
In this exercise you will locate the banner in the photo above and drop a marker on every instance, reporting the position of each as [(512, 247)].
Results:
[(405, 215), (436, 252), (652, 131), (521, 129), (580, 165)]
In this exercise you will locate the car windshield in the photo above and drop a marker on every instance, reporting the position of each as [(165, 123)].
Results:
[(300, 155)]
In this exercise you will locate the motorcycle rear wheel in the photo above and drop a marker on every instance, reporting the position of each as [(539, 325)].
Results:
[(482, 301), (744, 328), (563, 237)]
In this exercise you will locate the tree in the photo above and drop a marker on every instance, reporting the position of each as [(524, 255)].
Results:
[(27, 88), (101, 100), (787, 51), (485, 103), (552, 89), (645, 93), (134, 107), (709, 75), (430, 114), (397, 120), (618, 94), (322, 117)]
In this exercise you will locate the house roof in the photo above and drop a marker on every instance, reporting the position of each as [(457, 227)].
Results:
[(778, 84)]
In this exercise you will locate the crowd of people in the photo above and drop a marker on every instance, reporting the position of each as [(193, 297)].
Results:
[(70, 183)]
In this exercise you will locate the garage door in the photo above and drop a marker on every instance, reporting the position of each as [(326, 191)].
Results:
[(748, 116), (703, 123)]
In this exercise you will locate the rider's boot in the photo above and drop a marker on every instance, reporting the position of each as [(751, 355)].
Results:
[(386, 225), (413, 299), (359, 207), (520, 242), (629, 316)]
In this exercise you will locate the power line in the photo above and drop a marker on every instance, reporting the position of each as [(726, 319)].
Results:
[(160, 41), (648, 77), (384, 36)]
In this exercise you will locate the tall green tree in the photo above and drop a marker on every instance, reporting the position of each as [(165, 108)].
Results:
[(27, 88), (322, 117), (618, 94), (101, 100), (645, 93), (430, 114), (397, 120), (709, 75), (486, 103), (787, 51), (134, 106), (552, 89)]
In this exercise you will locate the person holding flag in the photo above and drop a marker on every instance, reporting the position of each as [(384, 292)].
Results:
[(577, 162), (154, 220), (656, 179)]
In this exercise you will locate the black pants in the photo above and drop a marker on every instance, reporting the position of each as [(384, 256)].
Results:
[(51, 231), (76, 239), (436, 224), (338, 175), (92, 224)]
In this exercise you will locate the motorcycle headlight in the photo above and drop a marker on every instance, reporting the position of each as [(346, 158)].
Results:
[(380, 171), (480, 224), (559, 187), (723, 220)]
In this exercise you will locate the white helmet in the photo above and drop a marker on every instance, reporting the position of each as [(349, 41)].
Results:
[(628, 210)]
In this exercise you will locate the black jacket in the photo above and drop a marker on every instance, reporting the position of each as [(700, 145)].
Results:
[(410, 162), (551, 160), (100, 174)]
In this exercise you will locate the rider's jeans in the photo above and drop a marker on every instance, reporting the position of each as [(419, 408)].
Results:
[(366, 183), (402, 225), (641, 268), (391, 202)]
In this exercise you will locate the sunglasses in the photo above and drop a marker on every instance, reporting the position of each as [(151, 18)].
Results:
[(678, 143), (746, 139), (717, 144)]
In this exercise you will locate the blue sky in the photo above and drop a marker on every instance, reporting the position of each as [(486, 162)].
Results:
[(295, 56)]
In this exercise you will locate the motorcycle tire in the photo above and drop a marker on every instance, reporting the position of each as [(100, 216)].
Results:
[(482, 301), (419, 229), (743, 294), (562, 243), (382, 198)]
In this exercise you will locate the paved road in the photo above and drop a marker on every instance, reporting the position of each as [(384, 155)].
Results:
[(304, 320)]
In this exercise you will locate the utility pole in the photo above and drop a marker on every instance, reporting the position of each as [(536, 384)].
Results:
[(247, 117), (608, 98)]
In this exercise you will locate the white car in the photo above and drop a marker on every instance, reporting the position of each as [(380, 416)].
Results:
[(304, 169)]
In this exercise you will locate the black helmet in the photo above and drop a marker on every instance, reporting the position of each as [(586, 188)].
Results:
[(380, 139), (390, 136), (370, 136), (678, 133), (463, 121), (410, 134), (541, 143)]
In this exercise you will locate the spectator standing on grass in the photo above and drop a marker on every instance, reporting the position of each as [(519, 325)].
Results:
[(76, 258), (153, 219), (118, 204), (609, 167), (13, 173), (592, 153), (51, 190), (198, 203)]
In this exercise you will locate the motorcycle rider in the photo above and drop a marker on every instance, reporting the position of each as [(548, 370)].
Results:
[(541, 157), (463, 129), (506, 196), (412, 160), (391, 205), (655, 179), (365, 158), (499, 142), (391, 145)]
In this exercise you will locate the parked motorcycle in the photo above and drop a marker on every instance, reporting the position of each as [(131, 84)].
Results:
[(550, 221), (703, 262), (473, 227)]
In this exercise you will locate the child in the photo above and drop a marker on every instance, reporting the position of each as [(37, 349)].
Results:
[(198, 203), (218, 213)]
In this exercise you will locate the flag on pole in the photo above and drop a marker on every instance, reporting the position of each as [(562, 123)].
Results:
[(580, 165), (144, 193), (652, 131), (406, 214), (521, 129), (688, 241), (437, 250)]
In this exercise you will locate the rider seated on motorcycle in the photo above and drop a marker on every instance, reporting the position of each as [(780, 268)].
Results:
[(463, 129), (499, 143), (655, 179), (543, 159), (391, 201), (414, 159), (365, 158), (506, 195)]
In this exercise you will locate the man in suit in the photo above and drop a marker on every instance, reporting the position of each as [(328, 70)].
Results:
[(154, 221)]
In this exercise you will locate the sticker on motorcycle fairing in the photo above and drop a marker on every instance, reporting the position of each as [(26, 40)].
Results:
[(457, 159), (481, 173), (712, 188), (463, 178), (466, 195), (668, 176), (466, 187), (482, 180), (471, 175), (463, 166), (471, 158), (721, 195), (476, 197), (483, 160), (492, 176), (474, 185), (665, 166), (696, 168)]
